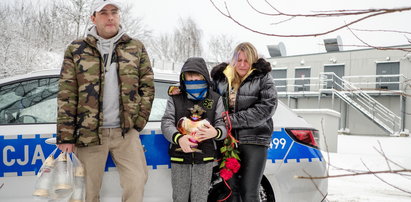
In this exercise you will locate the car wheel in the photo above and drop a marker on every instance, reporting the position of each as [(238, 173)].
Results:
[(266, 191), (219, 191)]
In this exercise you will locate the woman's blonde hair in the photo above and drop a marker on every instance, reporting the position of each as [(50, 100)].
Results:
[(252, 56)]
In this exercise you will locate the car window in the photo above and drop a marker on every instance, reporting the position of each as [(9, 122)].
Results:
[(32, 101), (160, 101)]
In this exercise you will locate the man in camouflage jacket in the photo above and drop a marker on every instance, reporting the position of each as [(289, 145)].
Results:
[(105, 94)]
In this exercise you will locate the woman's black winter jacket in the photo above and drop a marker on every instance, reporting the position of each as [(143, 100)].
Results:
[(256, 102)]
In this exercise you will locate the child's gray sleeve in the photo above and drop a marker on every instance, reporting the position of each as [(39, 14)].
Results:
[(168, 122), (219, 123)]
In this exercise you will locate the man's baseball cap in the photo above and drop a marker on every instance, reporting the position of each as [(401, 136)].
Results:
[(99, 4)]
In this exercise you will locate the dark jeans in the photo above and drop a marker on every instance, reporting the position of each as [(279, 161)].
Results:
[(246, 183)]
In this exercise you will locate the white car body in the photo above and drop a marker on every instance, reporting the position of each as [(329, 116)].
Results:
[(23, 149)]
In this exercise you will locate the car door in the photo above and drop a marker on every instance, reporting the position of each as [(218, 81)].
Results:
[(27, 118)]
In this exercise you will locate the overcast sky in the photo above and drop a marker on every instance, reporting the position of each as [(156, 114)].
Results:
[(162, 16)]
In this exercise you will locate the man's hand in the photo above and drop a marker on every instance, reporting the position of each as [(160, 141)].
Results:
[(66, 147), (186, 144), (206, 132)]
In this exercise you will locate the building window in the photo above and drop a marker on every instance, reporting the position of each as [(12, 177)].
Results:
[(384, 80), (302, 82), (280, 79)]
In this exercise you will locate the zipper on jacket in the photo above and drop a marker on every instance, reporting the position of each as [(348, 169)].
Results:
[(99, 102), (99, 93), (121, 104)]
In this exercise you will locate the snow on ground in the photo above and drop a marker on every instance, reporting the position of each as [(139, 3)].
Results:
[(352, 150)]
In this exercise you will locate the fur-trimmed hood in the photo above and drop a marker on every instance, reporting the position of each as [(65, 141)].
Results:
[(260, 67)]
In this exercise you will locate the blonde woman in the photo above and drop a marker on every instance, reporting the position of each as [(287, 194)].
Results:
[(250, 96)]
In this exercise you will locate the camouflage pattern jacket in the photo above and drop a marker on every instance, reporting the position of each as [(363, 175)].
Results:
[(81, 90)]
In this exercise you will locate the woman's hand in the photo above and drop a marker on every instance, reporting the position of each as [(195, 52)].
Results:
[(206, 132), (186, 144)]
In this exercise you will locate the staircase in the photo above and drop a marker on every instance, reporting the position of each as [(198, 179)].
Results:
[(361, 101)]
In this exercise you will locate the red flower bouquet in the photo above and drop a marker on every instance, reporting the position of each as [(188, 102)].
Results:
[(232, 164), (226, 174), (230, 161)]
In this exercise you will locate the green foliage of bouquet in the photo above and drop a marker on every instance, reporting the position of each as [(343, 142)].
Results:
[(230, 161)]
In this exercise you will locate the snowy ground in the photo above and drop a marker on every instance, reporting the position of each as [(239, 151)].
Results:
[(352, 152)]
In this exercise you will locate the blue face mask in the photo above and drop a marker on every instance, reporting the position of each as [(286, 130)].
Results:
[(196, 90)]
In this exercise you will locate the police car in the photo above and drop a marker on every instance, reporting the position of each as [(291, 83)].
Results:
[(28, 117)]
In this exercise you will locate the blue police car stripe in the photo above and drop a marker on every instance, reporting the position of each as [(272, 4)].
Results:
[(24, 155), (284, 149)]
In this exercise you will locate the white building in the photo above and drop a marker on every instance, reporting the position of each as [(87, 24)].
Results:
[(370, 88)]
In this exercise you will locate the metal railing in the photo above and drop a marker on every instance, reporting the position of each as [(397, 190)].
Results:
[(393, 82), (361, 101), (354, 91), (364, 82)]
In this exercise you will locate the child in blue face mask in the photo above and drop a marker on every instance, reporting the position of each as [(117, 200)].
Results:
[(192, 162), (196, 86)]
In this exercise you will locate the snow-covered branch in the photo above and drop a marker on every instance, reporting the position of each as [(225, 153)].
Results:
[(355, 174), (277, 15)]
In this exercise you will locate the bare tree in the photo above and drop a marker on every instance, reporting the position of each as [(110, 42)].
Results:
[(220, 47), (393, 168), (32, 30), (77, 14), (184, 42), (133, 25), (187, 39), (280, 17), (16, 38), (403, 171), (161, 47)]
